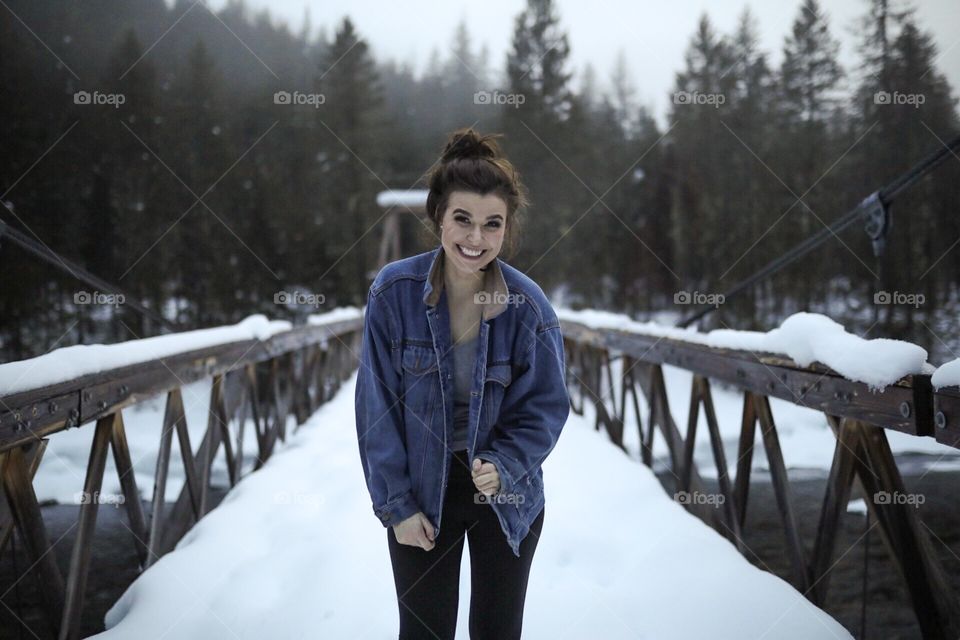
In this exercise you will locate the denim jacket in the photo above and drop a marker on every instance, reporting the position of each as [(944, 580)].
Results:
[(404, 394)]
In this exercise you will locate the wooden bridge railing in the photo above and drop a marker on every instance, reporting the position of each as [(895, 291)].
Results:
[(857, 417), (290, 373), (296, 371)]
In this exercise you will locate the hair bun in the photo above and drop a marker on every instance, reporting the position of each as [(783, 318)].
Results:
[(468, 144)]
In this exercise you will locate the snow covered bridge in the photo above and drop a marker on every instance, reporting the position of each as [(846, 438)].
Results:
[(293, 550)]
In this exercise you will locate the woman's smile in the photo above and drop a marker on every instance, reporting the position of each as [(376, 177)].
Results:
[(470, 253)]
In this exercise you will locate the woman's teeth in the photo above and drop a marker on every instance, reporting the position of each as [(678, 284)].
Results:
[(470, 253)]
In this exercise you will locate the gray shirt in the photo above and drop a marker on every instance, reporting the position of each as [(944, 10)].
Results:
[(464, 358)]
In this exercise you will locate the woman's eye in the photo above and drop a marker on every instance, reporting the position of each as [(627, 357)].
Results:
[(494, 224), (463, 219)]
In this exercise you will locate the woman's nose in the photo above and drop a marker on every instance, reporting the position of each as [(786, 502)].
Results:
[(474, 235)]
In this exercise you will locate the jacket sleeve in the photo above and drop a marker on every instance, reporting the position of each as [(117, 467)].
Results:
[(534, 410), (379, 417)]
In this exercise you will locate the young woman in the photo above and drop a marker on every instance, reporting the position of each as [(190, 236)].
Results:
[(460, 397)]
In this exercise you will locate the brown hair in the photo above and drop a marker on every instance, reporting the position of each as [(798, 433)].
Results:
[(473, 162)]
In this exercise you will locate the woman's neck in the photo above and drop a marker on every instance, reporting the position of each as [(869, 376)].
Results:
[(461, 285)]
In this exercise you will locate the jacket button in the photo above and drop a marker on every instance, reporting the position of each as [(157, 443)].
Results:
[(385, 516)]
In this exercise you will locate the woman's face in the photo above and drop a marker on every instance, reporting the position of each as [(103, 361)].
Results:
[(473, 223)]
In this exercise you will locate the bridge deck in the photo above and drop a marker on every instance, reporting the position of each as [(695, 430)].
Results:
[(295, 551)]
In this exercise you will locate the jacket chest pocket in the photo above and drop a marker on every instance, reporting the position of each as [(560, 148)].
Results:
[(420, 380), (496, 381)]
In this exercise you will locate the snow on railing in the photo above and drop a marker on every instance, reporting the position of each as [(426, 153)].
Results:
[(259, 369), (862, 387), (803, 337), (75, 361)]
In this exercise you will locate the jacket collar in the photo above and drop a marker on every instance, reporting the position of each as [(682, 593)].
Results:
[(494, 283)]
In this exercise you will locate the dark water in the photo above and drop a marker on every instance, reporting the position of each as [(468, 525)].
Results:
[(113, 567), (889, 614)]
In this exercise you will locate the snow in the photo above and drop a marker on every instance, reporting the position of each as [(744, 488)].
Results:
[(947, 375), (812, 337), (336, 315), (803, 337), (806, 440), (61, 474), (300, 535), (857, 506), (299, 538), (72, 362), (805, 437), (67, 363), (400, 198)]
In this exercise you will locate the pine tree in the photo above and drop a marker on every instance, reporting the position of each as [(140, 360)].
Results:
[(810, 72), (894, 137), (925, 116), (128, 172), (543, 138), (807, 142), (352, 121), (750, 190), (537, 63), (700, 150), (32, 86), (198, 155), (624, 96), (463, 75)]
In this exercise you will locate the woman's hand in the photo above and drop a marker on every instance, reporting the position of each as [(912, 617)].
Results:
[(485, 477), (415, 531)]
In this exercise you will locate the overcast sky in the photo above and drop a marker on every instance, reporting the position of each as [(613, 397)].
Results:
[(652, 35)]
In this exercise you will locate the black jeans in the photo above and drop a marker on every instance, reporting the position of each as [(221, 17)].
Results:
[(428, 582)]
